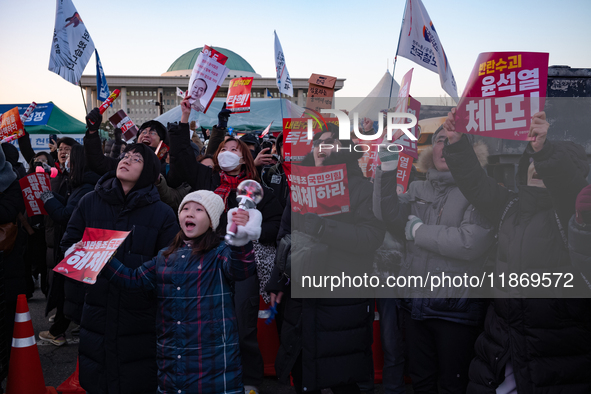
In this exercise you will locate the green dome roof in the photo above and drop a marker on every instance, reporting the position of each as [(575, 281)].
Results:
[(234, 62)]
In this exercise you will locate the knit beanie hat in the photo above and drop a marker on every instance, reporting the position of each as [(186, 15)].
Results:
[(213, 204), (7, 175), (156, 126), (151, 168)]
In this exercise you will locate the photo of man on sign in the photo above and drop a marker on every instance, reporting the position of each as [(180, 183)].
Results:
[(198, 90)]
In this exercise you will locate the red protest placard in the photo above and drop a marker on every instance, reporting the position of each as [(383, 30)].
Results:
[(238, 99), (504, 91), (11, 124), (403, 172), (32, 186), (320, 190), (120, 120), (161, 150), (85, 264)]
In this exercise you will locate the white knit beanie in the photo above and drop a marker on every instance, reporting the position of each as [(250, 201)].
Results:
[(213, 204)]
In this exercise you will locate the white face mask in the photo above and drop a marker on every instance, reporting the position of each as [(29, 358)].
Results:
[(228, 161)]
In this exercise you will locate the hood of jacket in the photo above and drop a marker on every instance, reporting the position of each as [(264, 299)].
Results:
[(109, 189), (425, 161)]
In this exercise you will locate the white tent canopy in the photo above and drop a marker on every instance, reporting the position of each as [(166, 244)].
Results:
[(262, 112), (378, 99)]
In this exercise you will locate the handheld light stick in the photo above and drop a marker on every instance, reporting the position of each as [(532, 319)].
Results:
[(249, 194)]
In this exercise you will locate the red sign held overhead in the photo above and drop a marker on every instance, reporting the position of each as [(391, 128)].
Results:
[(238, 99), (85, 264), (32, 186), (320, 190), (120, 120), (504, 91), (11, 124)]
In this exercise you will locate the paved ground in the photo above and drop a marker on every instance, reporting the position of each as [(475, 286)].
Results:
[(59, 363)]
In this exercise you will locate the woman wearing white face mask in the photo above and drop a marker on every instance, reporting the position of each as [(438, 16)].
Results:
[(233, 163)]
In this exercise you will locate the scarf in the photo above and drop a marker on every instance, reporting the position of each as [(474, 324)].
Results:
[(229, 183)]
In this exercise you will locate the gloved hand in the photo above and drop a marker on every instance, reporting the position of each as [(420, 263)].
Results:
[(250, 232), (46, 196), (94, 120), (223, 117), (118, 134), (389, 159), (313, 224), (411, 227), (583, 206)]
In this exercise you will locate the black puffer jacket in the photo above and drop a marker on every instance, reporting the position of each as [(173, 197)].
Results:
[(333, 335), (117, 336), (548, 341)]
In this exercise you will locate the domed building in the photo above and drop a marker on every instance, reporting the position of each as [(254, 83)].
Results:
[(146, 97)]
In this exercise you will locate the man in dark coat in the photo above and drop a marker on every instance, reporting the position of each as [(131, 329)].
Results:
[(117, 335), (531, 345), (327, 342)]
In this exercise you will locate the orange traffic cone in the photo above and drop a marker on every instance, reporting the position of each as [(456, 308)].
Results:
[(24, 371), (72, 384)]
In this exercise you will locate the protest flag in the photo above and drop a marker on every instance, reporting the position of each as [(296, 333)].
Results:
[(420, 43), (72, 46), (283, 80), (101, 81)]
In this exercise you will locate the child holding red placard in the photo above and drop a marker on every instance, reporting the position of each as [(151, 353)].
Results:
[(198, 349)]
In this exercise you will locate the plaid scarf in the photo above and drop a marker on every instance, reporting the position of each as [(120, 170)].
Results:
[(228, 184)]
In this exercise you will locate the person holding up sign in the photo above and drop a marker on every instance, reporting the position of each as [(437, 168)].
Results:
[(529, 345), (444, 234), (117, 334)]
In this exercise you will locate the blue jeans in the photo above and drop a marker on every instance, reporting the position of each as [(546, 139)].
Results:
[(392, 346)]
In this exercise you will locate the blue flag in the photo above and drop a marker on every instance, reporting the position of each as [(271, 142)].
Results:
[(101, 81)]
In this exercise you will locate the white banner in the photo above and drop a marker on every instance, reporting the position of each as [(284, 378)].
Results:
[(420, 43), (72, 46), (283, 80)]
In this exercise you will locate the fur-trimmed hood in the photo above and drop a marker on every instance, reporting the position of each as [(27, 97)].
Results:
[(425, 161)]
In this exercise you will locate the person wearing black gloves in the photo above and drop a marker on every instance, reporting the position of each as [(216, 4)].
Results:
[(150, 133), (529, 345), (274, 177)]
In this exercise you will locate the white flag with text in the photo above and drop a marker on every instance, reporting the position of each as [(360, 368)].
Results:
[(72, 46), (283, 80), (420, 43)]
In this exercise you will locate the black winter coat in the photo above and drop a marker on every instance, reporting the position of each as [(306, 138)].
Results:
[(117, 337), (548, 341), (60, 210), (334, 336)]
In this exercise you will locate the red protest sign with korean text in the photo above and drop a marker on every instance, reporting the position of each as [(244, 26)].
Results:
[(85, 264), (504, 91), (403, 172), (120, 120), (238, 99), (32, 186), (321, 190), (209, 72), (11, 124)]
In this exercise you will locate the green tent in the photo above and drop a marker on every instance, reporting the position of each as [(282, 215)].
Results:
[(59, 123)]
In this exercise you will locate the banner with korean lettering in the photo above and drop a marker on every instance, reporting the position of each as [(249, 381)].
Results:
[(120, 120), (282, 78), (208, 75), (101, 80), (11, 124), (238, 99), (321, 190), (32, 186), (72, 46), (39, 116), (403, 172), (504, 91), (85, 264)]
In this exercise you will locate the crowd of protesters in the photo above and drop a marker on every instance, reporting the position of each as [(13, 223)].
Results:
[(176, 309)]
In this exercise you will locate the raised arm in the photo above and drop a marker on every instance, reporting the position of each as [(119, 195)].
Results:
[(97, 161)]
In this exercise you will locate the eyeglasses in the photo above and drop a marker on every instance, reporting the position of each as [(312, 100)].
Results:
[(65, 150), (326, 141), (145, 131), (132, 158)]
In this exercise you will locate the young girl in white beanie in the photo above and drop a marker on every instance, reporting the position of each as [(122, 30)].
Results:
[(197, 347)]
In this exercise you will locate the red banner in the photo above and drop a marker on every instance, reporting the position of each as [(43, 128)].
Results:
[(504, 91), (320, 190), (85, 264), (32, 186), (11, 124), (238, 99), (403, 172), (161, 150)]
